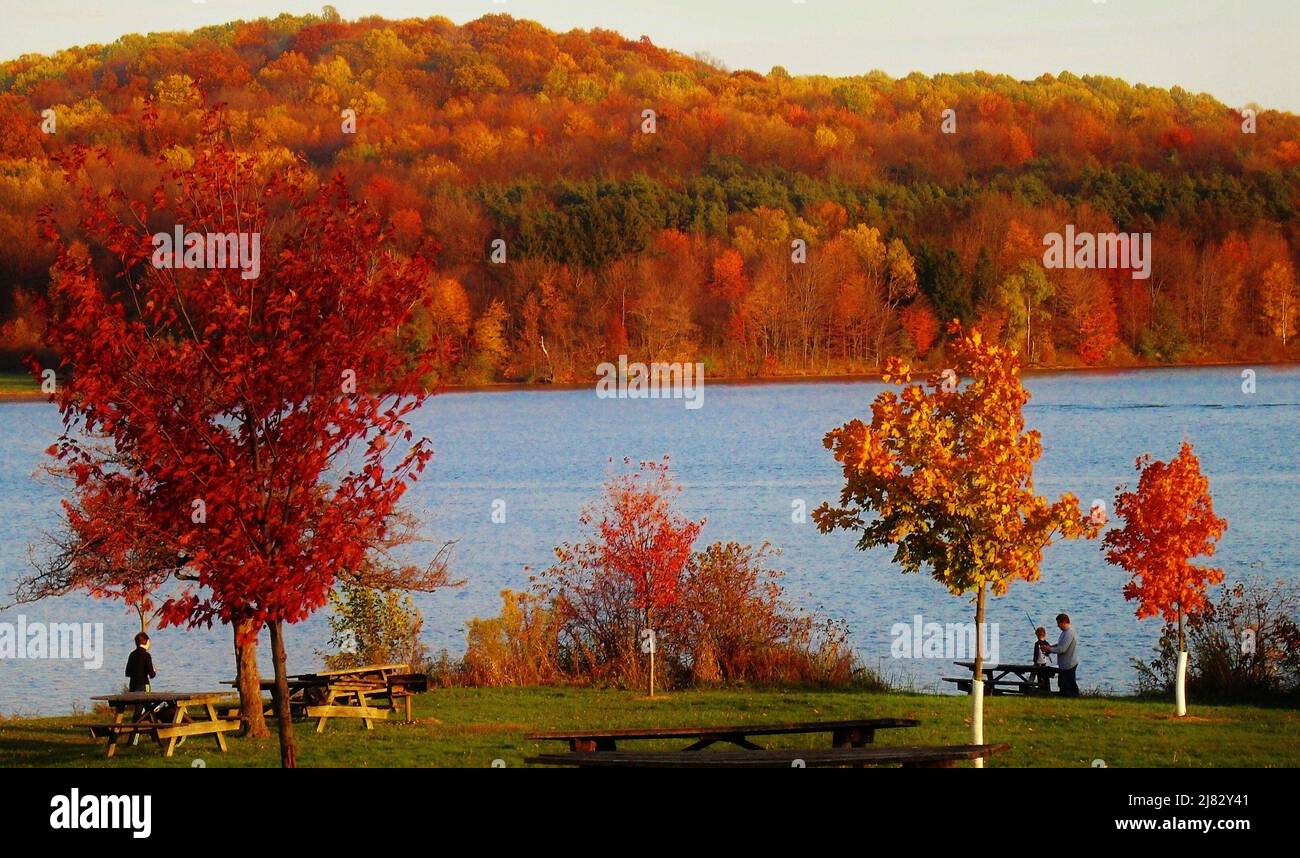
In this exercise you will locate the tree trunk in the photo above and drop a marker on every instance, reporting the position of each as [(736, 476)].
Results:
[(977, 678), (1180, 682), (288, 752), (649, 621), (1029, 331), (248, 681)]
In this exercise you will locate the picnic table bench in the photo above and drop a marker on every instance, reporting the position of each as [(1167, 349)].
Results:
[(163, 715), (349, 692), (914, 756), (853, 733), (391, 682), (1007, 678)]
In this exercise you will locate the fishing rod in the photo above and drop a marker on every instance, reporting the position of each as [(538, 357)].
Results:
[(1035, 628)]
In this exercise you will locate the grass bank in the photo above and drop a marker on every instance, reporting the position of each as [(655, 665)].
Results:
[(471, 727), (19, 385)]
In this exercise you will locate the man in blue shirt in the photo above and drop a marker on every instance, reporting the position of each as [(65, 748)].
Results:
[(1067, 657)]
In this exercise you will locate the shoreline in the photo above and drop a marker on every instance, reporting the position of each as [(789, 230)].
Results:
[(7, 396)]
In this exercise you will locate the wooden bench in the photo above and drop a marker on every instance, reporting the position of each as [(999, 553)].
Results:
[(852, 733), (1000, 687), (107, 731), (914, 756)]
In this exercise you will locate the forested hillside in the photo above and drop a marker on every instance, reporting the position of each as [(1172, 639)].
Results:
[(682, 244)]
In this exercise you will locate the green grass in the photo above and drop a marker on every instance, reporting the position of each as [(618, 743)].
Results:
[(471, 727), (17, 382)]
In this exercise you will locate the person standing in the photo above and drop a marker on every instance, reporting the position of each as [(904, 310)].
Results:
[(139, 665), (1042, 660), (139, 672), (1067, 657)]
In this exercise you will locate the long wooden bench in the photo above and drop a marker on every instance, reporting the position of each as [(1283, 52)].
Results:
[(852, 733), (107, 731), (914, 756)]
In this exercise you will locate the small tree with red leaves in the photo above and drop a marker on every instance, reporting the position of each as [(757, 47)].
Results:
[(1169, 520), (627, 574), (644, 540)]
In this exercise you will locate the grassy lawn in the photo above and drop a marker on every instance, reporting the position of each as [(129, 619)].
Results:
[(17, 382), (473, 726)]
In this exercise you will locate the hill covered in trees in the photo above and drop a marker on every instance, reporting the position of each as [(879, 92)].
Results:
[(763, 223)]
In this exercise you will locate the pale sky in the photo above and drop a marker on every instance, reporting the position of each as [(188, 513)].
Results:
[(1240, 51)]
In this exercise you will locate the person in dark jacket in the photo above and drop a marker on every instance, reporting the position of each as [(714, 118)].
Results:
[(139, 665), (1042, 659)]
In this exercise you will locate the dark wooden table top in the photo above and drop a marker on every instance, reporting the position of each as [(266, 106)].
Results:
[(177, 697), (363, 670), (1006, 667)]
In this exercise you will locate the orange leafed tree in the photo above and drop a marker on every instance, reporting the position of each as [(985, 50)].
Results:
[(1168, 521), (944, 472), (920, 324)]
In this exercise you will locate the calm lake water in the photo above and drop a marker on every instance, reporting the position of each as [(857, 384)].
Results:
[(744, 459)]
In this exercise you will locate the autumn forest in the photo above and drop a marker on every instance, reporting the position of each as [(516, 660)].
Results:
[(591, 195)]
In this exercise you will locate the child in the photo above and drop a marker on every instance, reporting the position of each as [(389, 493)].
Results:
[(139, 670), (1041, 659), (139, 665)]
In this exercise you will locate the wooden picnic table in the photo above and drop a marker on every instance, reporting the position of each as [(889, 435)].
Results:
[(163, 715), (348, 692), (907, 756), (852, 733), (998, 678)]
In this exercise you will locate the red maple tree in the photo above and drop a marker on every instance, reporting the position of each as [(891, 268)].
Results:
[(920, 324), (1168, 520), (641, 538), (261, 416)]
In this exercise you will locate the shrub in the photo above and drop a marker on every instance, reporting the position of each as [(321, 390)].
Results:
[(730, 625), (1243, 648), (370, 626), (718, 614), (517, 648), (735, 627)]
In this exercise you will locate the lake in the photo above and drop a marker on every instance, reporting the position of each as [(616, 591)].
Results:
[(745, 459)]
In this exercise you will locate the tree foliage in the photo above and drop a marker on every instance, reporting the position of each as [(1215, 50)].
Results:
[(501, 129)]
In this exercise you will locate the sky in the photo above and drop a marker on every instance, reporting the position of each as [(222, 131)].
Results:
[(1240, 51)]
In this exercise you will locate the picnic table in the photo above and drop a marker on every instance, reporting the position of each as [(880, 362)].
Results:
[(915, 756), (350, 692), (844, 734), (1008, 678), (163, 715)]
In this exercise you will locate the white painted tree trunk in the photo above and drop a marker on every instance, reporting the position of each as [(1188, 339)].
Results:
[(977, 717), (1180, 685)]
